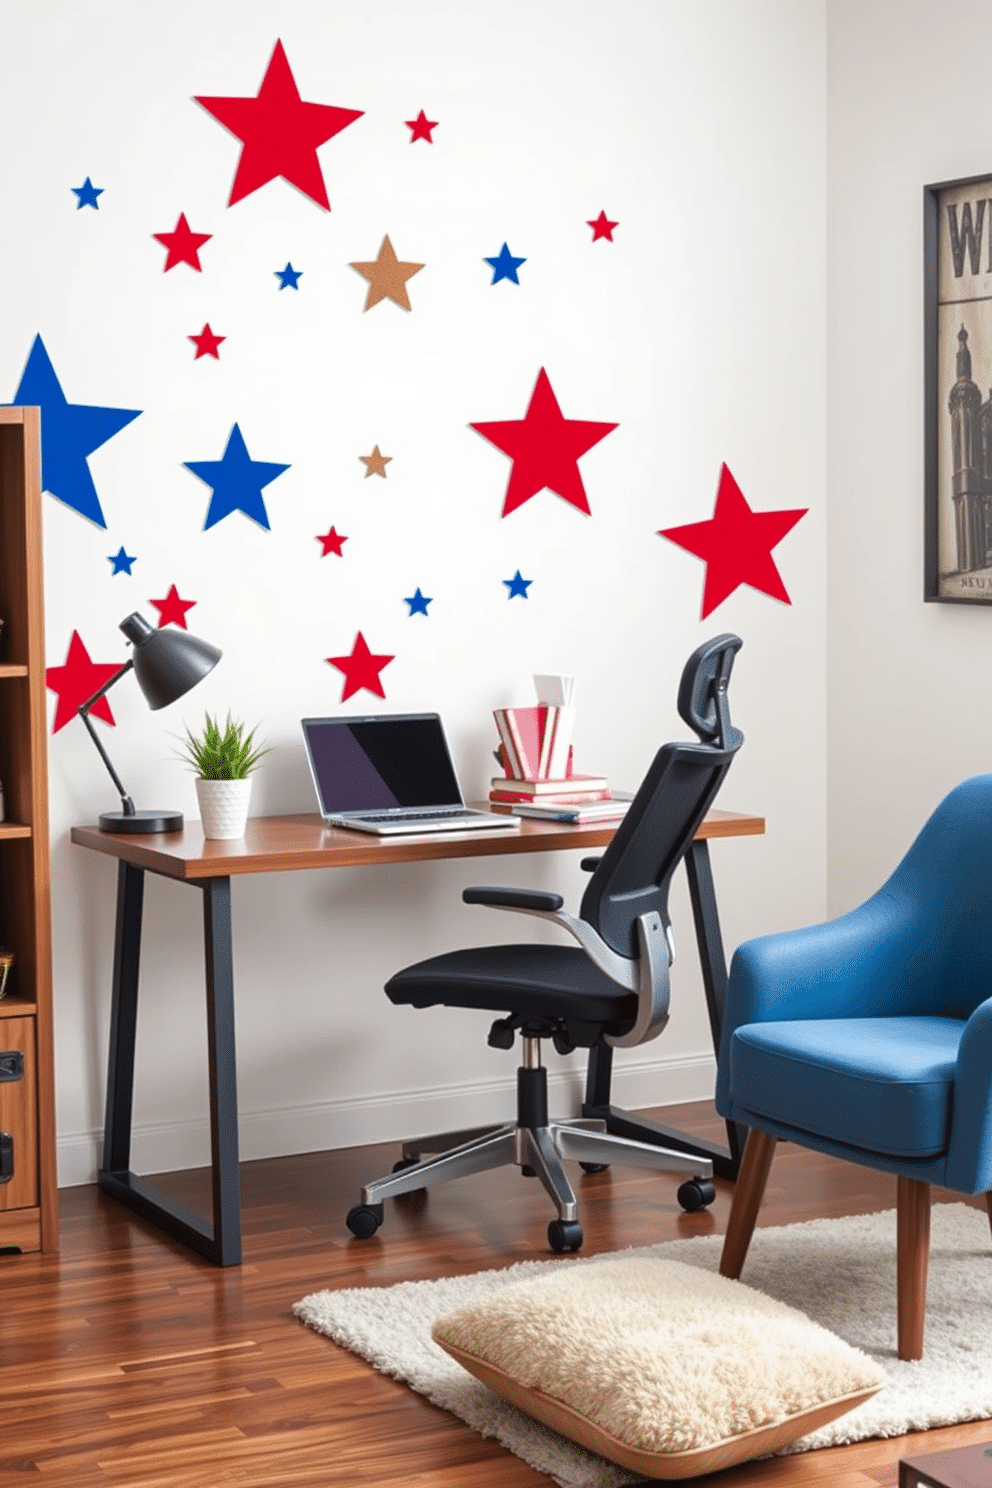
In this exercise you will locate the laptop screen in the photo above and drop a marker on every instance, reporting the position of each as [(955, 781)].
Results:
[(373, 763)]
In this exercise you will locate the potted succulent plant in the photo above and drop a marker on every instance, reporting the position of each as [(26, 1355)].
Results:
[(223, 758)]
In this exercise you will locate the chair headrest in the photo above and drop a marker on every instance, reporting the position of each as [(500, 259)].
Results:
[(702, 700)]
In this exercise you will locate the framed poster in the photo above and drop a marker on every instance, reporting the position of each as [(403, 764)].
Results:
[(957, 353)]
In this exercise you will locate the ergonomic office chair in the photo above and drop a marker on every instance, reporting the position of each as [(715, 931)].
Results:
[(869, 1038), (613, 987)]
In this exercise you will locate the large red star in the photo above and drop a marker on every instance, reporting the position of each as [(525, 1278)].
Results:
[(280, 133), (420, 128), (75, 682), (736, 544), (545, 449), (183, 245), (172, 609), (361, 669), (331, 542), (602, 227)]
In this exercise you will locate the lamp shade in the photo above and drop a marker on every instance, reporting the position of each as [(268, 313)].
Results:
[(167, 662)]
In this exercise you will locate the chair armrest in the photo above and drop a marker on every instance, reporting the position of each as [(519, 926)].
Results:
[(969, 1153), (589, 865), (535, 900)]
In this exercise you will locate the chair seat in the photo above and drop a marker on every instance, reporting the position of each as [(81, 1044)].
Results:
[(541, 981), (845, 1079)]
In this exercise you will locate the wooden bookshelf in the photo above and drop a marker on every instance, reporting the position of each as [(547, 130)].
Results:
[(28, 1181)]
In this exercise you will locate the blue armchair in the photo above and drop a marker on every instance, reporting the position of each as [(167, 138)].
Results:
[(870, 1038)]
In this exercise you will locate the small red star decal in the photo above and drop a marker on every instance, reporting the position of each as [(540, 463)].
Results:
[(331, 543), (172, 609), (361, 669), (602, 227), (736, 545), (279, 133), (206, 343), (421, 127), (183, 244), (75, 682), (545, 449)]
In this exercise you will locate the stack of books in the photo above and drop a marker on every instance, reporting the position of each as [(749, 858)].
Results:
[(535, 751)]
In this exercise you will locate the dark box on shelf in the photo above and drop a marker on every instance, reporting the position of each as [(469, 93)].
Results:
[(964, 1467)]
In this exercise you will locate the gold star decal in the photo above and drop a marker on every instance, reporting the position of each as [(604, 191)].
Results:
[(387, 277), (375, 463)]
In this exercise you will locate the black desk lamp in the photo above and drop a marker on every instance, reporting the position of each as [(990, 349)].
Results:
[(167, 663)]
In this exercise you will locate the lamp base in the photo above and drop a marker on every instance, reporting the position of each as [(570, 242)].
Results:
[(141, 821)]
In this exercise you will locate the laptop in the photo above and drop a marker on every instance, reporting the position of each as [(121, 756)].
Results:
[(390, 774)]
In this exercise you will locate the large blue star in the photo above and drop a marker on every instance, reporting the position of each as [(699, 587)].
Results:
[(289, 277), (236, 481), (69, 432), (505, 266), (518, 586), (87, 194)]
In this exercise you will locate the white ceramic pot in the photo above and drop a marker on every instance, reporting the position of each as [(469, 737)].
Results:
[(223, 806)]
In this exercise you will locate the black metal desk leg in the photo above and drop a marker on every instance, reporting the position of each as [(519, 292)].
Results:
[(123, 1018), (223, 1071), (219, 1241)]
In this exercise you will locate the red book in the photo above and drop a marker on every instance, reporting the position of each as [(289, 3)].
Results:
[(550, 798), (537, 786)]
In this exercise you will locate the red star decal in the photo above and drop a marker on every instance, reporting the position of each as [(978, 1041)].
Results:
[(75, 682), (183, 245), (421, 127), (545, 449), (736, 545), (279, 133), (361, 669), (206, 343), (602, 227), (331, 543), (172, 609)]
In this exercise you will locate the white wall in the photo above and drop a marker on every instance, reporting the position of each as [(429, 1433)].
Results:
[(700, 330), (908, 701)]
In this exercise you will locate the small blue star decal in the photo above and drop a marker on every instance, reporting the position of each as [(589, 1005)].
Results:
[(69, 432), (418, 603), (237, 481), (288, 277), (518, 585), (87, 194), (122, 561), (505, 266)]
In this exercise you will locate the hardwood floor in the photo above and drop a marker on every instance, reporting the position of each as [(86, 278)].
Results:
[(127, 1361)]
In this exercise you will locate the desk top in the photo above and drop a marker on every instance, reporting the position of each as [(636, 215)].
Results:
[(280, 844)]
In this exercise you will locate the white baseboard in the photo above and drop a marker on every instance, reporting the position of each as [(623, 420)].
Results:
[(359, 1122)]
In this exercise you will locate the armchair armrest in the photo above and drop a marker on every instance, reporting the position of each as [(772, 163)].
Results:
[(969, 1153)]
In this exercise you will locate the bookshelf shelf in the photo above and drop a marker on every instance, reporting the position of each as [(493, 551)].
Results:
[(29, 1198)]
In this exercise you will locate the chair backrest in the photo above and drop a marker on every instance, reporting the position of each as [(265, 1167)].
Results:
[(634, 873)]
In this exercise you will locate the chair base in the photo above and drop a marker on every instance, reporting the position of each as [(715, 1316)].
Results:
[(535, 1145)]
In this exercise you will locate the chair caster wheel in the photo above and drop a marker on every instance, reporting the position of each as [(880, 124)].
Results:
[(594, 1167), (364, 1220), (564, 1235), (405, 1162), (696, 1194)]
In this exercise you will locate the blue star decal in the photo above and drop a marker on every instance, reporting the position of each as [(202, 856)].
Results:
[(288, 277), (518, 585), (122, 561), (418, 603), (87, 194), (505, 266), (69, 432), (236, 481)]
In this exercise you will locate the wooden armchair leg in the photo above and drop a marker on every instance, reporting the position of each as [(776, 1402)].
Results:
[(913, 1254), (988, 1206), (759, 1150)]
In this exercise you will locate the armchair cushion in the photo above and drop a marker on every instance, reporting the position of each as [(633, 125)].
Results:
[(851, 1080), (665, 1368)]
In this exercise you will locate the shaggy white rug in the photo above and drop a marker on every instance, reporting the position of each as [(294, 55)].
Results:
[(840, 1272)]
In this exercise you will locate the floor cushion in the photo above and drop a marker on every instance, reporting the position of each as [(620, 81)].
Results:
[(667, 1369)]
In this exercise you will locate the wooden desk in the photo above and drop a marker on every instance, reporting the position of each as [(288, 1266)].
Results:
[(279, 844)]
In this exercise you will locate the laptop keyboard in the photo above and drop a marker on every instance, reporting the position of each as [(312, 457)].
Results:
[(416, 816)]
